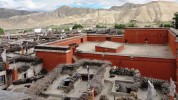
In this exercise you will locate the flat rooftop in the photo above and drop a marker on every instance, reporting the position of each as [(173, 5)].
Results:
[(140, 50), (80, 86), (109, 44), (8, 95)]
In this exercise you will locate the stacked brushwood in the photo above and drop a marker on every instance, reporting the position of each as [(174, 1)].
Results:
[(85, 62), (14, 48), (131, 96), (38, 61), (158, 84), (70, 68), (42, 84), (104, 97), (124, 71), (23, 68), (96, 81), (27, 80), (27, 59), (141, 82), (50, 37), (28, 46), (84, 96)]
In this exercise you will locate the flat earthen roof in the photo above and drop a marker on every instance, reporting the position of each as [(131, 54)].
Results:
[(8, 95), (140, 50)]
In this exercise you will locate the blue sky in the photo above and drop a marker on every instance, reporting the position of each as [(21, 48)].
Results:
[(49, 5)]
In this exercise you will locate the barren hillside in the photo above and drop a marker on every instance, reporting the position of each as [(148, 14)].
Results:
[(146, 13)]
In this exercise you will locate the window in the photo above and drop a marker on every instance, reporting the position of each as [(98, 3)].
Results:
[(108, 38), (2, 80), (146, 40), (25, 75)]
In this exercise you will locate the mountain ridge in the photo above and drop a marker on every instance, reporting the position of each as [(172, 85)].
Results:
[(145, 13), (125, 6), (7, 13)]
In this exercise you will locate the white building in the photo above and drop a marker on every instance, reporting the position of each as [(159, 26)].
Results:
[(38, 30)]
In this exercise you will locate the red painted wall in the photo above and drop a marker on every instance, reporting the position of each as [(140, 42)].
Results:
[(172, 42), (101, 38), (68, 41), (51, 59), (96, 38), (153, 36), (117, 39), (150, 67)]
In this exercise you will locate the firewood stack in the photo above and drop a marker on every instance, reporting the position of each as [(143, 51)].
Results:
[(27, 80), (97, 79), (158, 84), (104, 97), (141, 82), (27, 59), (96, 82), (84, 96), (15, 47), (42, 84), (124, 71)]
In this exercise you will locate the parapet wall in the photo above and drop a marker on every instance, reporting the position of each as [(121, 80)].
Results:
[(150, 67), (172, 42), (102, 38), (146, 35), (78, 39)]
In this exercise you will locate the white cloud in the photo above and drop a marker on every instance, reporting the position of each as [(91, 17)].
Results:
[(47, 5), (19, 4)]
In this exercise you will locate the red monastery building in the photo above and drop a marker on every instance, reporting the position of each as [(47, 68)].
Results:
[(151, 50)]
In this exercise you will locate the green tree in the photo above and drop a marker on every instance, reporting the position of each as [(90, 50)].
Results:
[(77, 26), (175, 20), (67, 29), (132, 23), (1, 31), (27, 30), (99, 26), (165, 25), (119, 26)]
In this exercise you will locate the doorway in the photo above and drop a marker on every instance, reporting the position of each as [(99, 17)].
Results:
[(81, 40), (108, 38)]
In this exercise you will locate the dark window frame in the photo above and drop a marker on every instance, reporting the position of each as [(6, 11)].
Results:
[(2, 80)]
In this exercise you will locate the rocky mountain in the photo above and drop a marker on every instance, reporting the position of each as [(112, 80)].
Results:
[(66, 11), (126, 6), (142, 13), (6, 13)]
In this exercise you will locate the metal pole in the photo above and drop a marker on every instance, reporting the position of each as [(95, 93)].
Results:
[(88, 70)]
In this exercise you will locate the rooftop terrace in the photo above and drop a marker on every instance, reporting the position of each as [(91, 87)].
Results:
[(141, 50)]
